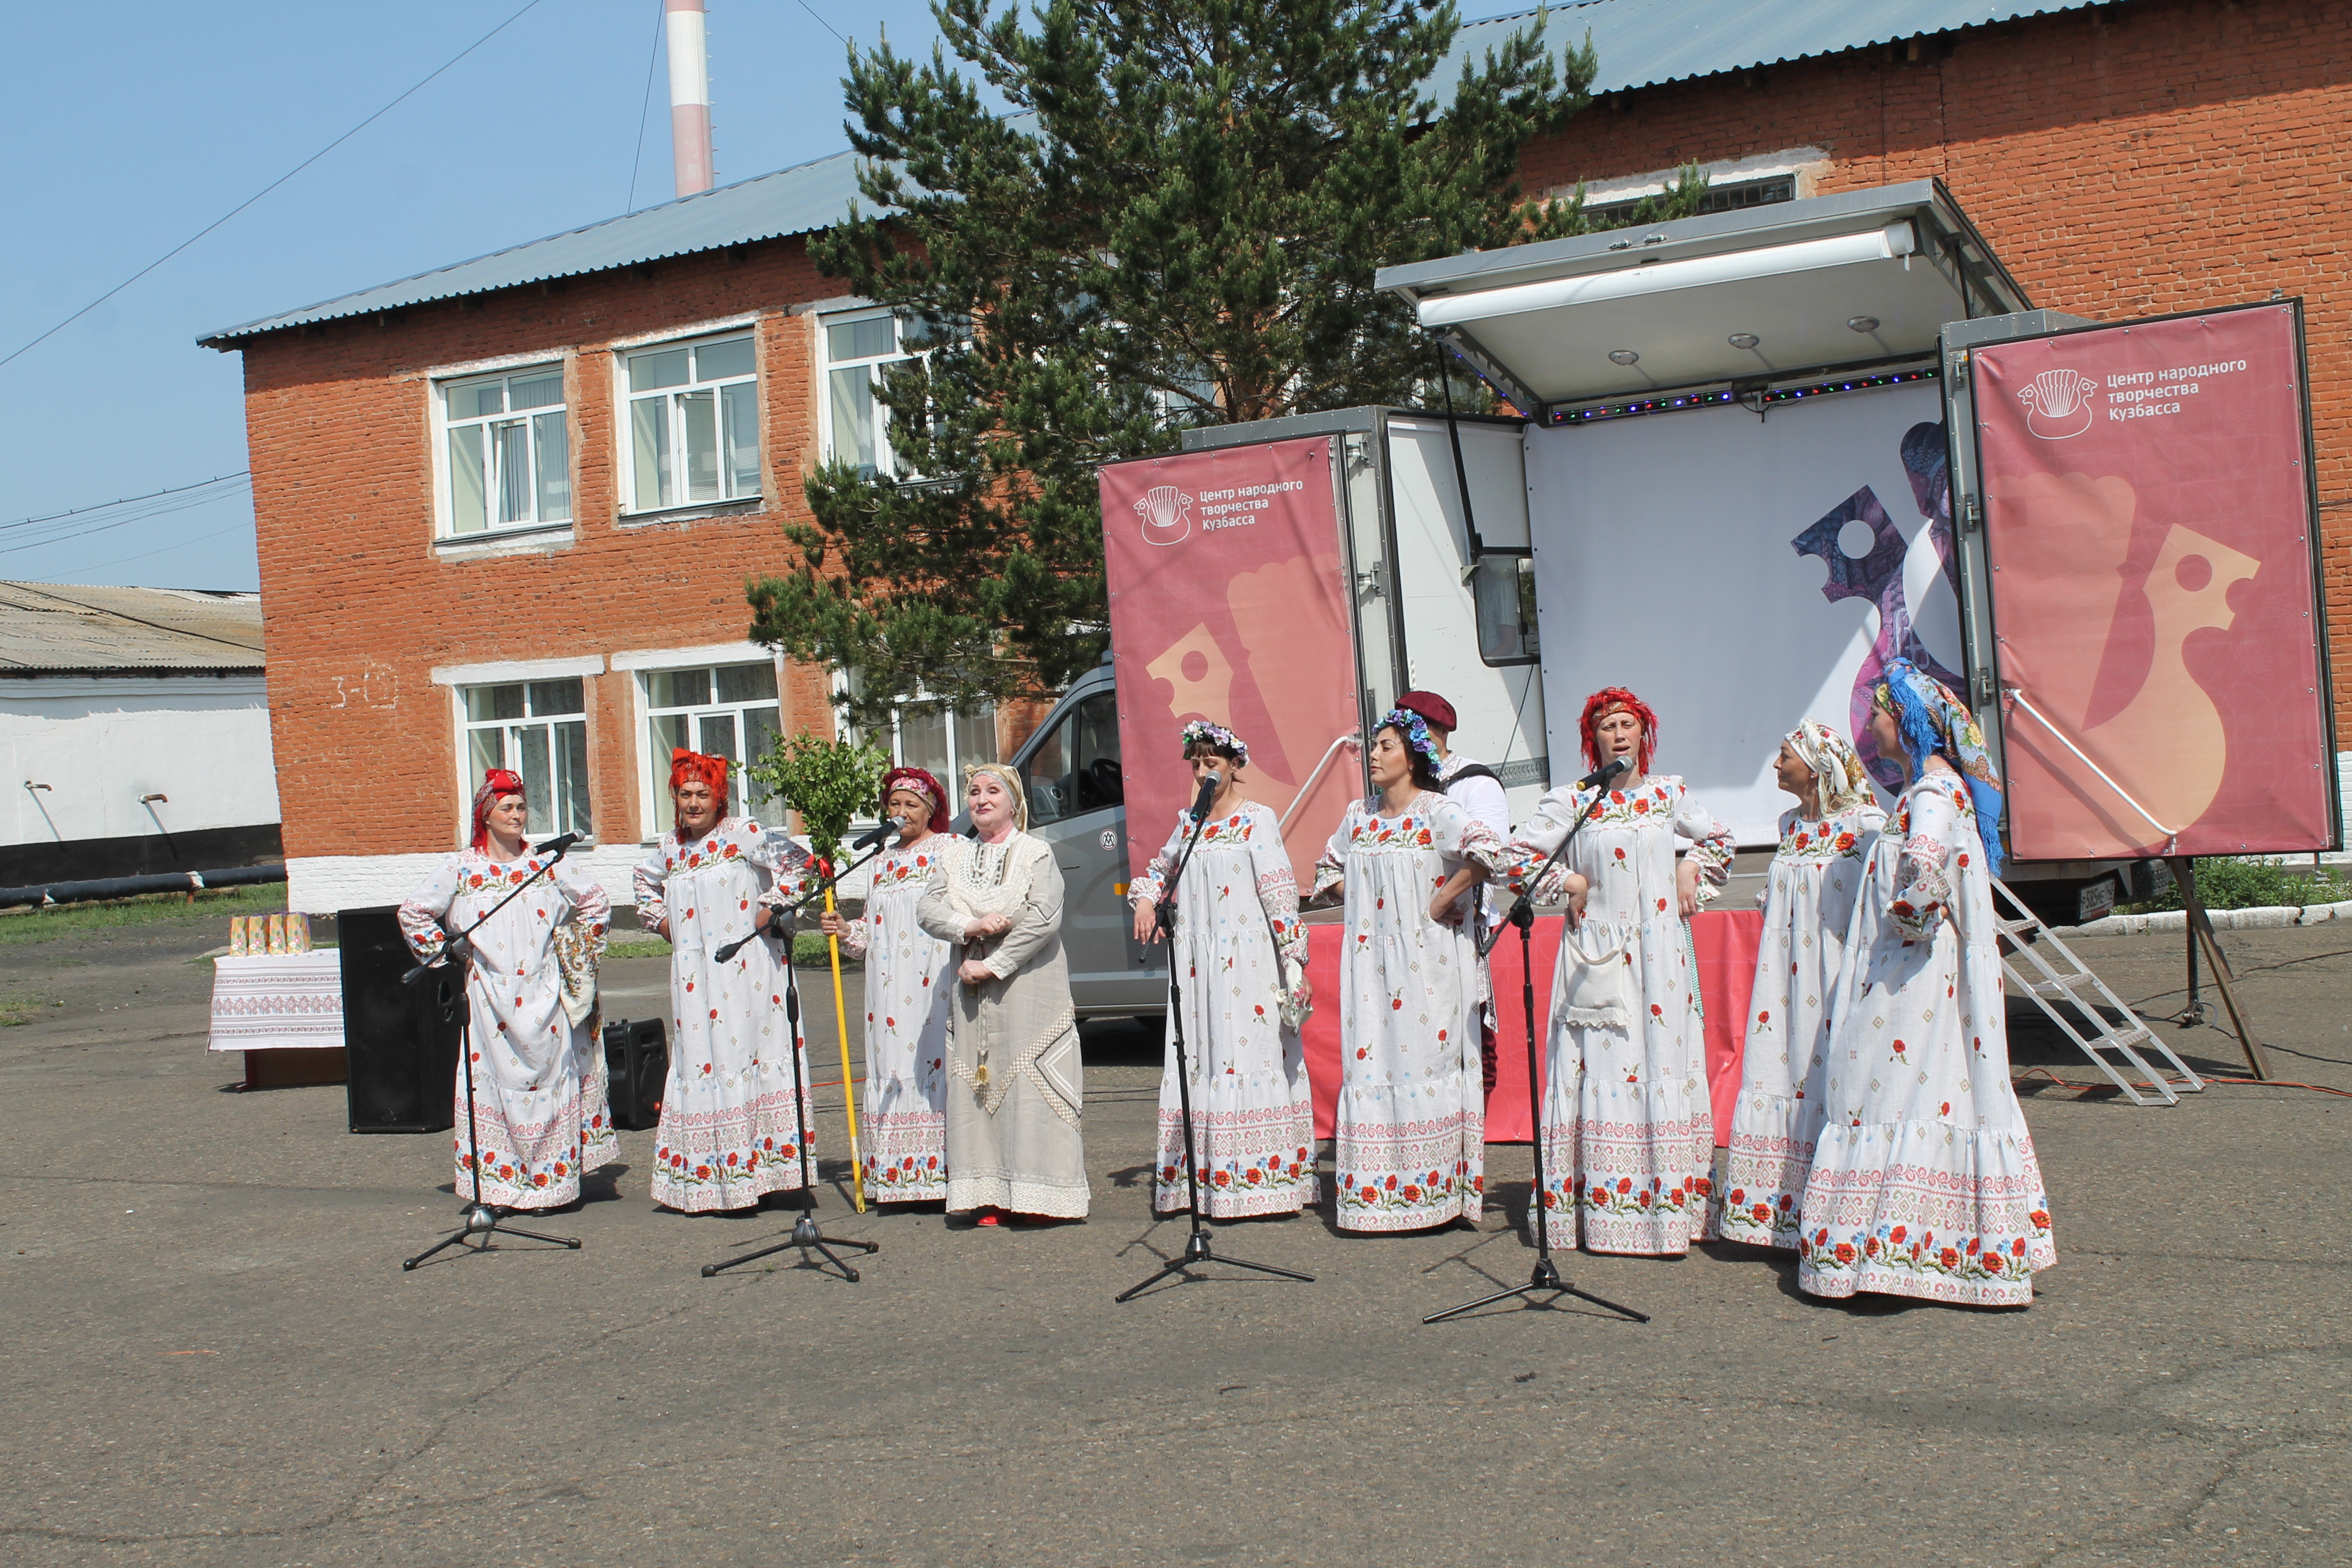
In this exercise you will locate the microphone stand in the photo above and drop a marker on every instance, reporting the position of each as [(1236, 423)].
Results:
[(480, 1220), (1196, 1243), (807, 1233), (1546, 1275)]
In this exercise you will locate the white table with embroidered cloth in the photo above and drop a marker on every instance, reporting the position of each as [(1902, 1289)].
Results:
[(286, 1011)]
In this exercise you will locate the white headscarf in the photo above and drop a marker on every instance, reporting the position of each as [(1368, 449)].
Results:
[(1839, 783)]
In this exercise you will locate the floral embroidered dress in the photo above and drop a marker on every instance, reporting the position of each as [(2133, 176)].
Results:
[(909, 984), (1628, 1138), (530, 1060), (728, 1130), (1236, 921), (1924, 1181), (1809, 900), (1409, 1127)]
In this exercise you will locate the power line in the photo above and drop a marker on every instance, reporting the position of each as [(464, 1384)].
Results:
[(821, 21), (64, 535), (126, 500), (371, 120), (646, 106), (163, 550)]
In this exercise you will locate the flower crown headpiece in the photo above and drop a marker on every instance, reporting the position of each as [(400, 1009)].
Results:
[(1414, 728), (1199, 732)]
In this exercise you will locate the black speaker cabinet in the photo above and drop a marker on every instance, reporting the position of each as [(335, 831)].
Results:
[(401, 1040), (637, 1057)]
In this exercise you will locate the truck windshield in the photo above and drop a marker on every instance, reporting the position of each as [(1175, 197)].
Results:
[(1074, 769)]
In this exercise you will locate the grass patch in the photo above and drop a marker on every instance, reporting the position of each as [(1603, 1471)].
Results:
[(37, 924), (2251, 882)]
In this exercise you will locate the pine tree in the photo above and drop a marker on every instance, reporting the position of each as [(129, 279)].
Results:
[(1179, 224)]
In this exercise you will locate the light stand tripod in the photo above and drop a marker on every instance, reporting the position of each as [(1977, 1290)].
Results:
[(1546, 1275), (481, 1221), (808, 1234), (1196, 1243)]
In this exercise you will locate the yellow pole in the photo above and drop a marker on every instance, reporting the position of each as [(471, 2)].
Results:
[(848, 1084)]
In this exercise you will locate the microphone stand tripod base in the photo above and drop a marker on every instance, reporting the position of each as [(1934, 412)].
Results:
[(481, 1222), (805, 1235), (1545, 1277)]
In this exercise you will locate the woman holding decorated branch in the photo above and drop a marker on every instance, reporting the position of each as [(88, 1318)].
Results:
[(1924, 1181), (1809, 899), (728, 1133), (1628, 1138), (1239, 953), (909, 985), (1015, 1148), (1410, 1147), (530, 1062)]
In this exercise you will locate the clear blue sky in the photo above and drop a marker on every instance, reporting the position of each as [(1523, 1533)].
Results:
[(130, 126)]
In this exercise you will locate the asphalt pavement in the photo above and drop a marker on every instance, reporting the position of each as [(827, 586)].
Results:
[(213, 1356)]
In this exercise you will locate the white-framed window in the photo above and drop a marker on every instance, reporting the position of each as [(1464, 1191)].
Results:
[(856, 344), (925, 733), (539, 729), (506, 452), (721, 711), (694, 423)]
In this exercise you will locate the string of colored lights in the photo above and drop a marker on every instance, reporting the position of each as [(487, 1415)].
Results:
[(1718, 399)]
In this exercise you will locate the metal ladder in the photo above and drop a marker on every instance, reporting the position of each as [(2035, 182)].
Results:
[(2049, 985)]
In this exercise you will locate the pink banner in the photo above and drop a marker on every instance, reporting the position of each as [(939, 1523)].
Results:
[(1228, 602), (2149, 525)]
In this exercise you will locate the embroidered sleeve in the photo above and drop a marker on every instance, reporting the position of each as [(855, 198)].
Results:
[(1277, 888), (795, 872), (1148, 888), (422, 912), (592, 907), (1533, 845), (1331, 866), (936, 911), (1039, 920), (1923, 887), (647, 885), (1711, 846), (852, 933), (1466, 839)]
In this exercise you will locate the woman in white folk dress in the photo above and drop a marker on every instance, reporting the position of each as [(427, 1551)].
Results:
[(530, 1061), (1809, 899), (1409, 1142), (909, 985), (1239, 953), (1628, 1138), (728, 1133), (1924, 1181), (1016, 1145)]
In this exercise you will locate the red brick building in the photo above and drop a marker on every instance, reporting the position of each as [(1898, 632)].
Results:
[(599, 436)]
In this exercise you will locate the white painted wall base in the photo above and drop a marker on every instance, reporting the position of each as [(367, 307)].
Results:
[(322, 884)]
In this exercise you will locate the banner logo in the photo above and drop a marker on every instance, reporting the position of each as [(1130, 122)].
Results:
[(1166, 513), (2061, 404)]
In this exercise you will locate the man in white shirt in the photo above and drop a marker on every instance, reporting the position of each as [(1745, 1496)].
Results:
[(1475, 786)]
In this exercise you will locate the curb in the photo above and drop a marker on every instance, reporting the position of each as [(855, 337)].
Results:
[(2272, 918)]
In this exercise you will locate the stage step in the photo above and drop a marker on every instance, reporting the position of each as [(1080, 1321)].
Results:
[(2057, 976)]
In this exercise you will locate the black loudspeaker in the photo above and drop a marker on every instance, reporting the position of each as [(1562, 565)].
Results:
[(401, 1040), (637, 1058)]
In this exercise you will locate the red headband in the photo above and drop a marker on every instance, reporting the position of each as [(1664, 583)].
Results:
[(712, 770), (496, 784), (921, 783), (1610, 700)]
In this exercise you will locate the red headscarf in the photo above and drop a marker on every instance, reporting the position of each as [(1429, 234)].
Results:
[(923, 783), (1610, 700), (685, 764), (497, 783)]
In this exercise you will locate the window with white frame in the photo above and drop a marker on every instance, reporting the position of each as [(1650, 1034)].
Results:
[(508, 454), (923, 733), (694, 424), (539, 729), (856, 346), (721, 711)]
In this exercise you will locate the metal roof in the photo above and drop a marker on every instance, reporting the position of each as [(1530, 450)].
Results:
[(47, 630), (1641, 43)]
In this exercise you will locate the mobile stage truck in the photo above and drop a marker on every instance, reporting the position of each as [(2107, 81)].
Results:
[(1751, 457)]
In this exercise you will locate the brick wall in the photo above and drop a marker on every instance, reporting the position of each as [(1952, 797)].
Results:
[(2157, 156), (358, 606)]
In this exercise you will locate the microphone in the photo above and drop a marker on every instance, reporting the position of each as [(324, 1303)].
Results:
[(1600, 776), (1209, 782), (877, 833), (556, 846)]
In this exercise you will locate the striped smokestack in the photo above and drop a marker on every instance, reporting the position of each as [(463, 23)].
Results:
[(689, 94)]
